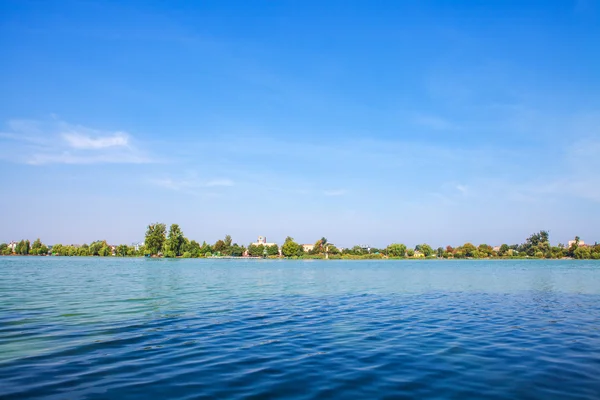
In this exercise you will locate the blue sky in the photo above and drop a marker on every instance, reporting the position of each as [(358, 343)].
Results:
[(363, 121)]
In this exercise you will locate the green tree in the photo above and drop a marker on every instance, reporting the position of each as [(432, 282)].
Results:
[(220, 246), (410, 252), (582, 253), (256, 250), (228, 245), (574, 246), (485, 250), (290, 248), (155, 238), (175, 240), (206, 249), (557, 252), (468, 249), (333, 250), (105, 251), (273, 250), (396, 250), (536, 242), (503, 250), (95, 247), (194, 249), (57, 249), (440, 252), (357, 251), (237, 250), (320, 246), (36, 246), (426, 250), (23, 247), (122, 250)]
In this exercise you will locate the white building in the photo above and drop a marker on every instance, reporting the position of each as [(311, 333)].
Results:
[(263, 240), (308, 247)]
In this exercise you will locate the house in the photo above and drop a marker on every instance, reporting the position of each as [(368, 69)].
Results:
[(308, 247), (12, 246), (262, 240), (573, 242), (418, 254)]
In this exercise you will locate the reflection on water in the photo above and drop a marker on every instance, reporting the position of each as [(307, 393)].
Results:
[(139, 328)]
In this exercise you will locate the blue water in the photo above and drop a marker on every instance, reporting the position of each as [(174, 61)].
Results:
[(89, 328)]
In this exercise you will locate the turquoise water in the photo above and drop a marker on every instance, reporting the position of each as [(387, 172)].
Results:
[(154, 329)]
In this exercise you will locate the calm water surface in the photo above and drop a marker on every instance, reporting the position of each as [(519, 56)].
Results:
[(89, 328)]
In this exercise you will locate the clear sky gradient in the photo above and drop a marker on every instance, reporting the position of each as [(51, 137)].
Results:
[(363, 121)]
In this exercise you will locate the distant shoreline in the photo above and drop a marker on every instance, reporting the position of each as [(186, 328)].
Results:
[(354, 258), (158, 243)]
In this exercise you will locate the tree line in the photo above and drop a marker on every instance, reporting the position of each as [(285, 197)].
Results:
[(173, 243)]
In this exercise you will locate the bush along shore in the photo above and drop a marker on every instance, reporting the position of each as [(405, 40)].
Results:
[(173, 244)]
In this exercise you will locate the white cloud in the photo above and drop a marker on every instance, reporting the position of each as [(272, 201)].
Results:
[(58, 142), (80, 141)]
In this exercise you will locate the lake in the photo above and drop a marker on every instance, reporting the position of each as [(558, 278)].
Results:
[(93, 328)]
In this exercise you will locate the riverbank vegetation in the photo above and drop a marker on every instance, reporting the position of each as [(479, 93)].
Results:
[(173, 243)]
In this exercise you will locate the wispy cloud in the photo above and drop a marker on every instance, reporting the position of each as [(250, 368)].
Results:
[(59, 142), (81, 141)]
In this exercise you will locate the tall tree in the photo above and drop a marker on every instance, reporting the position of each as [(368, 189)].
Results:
[(155, 238), (36, 246), (175, 240), (290, 248), (536, 242), (220, 246)]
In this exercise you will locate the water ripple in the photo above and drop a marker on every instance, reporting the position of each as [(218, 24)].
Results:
[(77, 329)]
